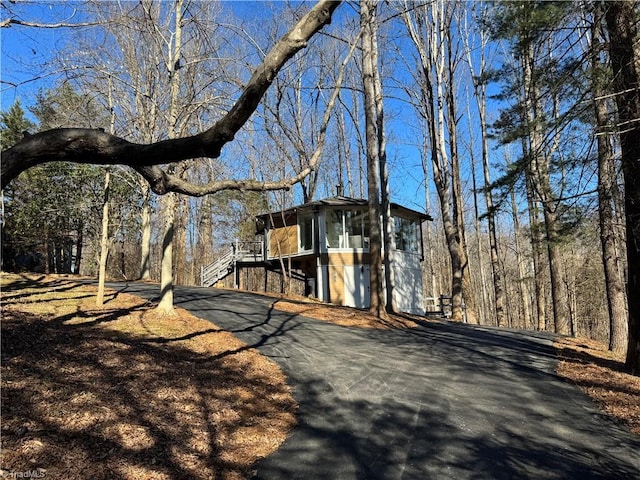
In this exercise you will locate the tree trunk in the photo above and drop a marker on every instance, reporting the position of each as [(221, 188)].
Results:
[(624, 47), (180, 241), (367, 19), (389, 240), (170, 202), (485, 307), (559, 294), (457, 201), (539, 174), (498, 286), (430, 237), (204, 242), (145, 240), (104, 242), (616, 299), (522, 287), (79, 245), (435, 69), (165, 305), (535, 231)]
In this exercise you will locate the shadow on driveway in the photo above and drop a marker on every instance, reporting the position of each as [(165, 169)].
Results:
[(444, 401)]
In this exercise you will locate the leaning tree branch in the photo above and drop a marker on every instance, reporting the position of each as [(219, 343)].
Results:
[(163, 182), (80, 145), (7, 22)]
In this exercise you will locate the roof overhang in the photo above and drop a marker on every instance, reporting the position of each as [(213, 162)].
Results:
[(291, 214)]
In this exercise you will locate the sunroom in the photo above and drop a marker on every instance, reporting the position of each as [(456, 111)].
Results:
[(327, 242)]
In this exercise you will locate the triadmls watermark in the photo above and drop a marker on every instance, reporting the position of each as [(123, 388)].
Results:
[(36, 473)]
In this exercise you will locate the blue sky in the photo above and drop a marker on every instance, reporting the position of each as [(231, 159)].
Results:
[(26, 51), (25, 69)]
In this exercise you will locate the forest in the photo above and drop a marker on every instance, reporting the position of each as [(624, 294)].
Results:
[(140, 138)]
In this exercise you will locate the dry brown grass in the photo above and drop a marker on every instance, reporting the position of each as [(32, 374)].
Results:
[(124, 393)]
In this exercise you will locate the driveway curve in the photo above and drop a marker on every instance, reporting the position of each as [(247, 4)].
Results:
[(443, 401)]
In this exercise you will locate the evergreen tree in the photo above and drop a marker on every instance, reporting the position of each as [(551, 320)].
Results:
[(13, 124), (545, 88)]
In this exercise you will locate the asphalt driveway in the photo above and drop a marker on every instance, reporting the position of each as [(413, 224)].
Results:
[(443, 401)]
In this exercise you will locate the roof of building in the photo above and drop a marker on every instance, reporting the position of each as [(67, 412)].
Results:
[(341, 201)]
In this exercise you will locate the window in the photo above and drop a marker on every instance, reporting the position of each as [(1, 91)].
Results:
[(353, 229), (407, 235), (347, 229), (335, 235), (305, 223)]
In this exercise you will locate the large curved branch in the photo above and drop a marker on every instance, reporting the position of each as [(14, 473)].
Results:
[(162, 182), (98, 147)]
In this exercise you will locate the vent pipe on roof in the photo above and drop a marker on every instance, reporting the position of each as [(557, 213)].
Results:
[(339, 190)]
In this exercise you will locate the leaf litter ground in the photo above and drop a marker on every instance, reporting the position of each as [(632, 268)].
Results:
[(124, 393)]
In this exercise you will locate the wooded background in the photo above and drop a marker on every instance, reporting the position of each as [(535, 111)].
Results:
[(502, 120)]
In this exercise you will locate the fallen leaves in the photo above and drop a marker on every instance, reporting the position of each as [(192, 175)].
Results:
[(122, 392), (599, 373)]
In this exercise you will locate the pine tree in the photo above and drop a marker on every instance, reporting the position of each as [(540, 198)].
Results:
[(13, 125), (545, 91)]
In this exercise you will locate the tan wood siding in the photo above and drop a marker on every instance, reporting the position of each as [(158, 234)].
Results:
[(345, 258), (336, 284), (283, 241)]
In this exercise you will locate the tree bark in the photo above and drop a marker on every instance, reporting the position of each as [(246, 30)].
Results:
[(435, 106), (481, 99), (389, 240), (484, 301), (539, 167), (367, 18), (614, 284), (145, 234), (165, 305), (170, 202), (79, 245), (535, 230), (522, 287), (624, 46), (104, 242), (446, 79), (104, 238)]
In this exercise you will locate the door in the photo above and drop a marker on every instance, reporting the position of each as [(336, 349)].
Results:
[(357, 286)]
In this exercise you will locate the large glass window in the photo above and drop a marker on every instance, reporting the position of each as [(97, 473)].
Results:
[(335, 235), (407, 235), (353, 229), (366, 228), (347, 229), (305, 223)]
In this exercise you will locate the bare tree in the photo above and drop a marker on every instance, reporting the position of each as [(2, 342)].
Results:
[(429, 27), (480, 89), (98, 147), (373, 143), (104, 238)]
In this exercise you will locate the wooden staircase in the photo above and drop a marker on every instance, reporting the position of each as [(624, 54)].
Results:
[(226, 262)]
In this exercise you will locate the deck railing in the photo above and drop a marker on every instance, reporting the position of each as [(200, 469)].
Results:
[(224, 264)]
